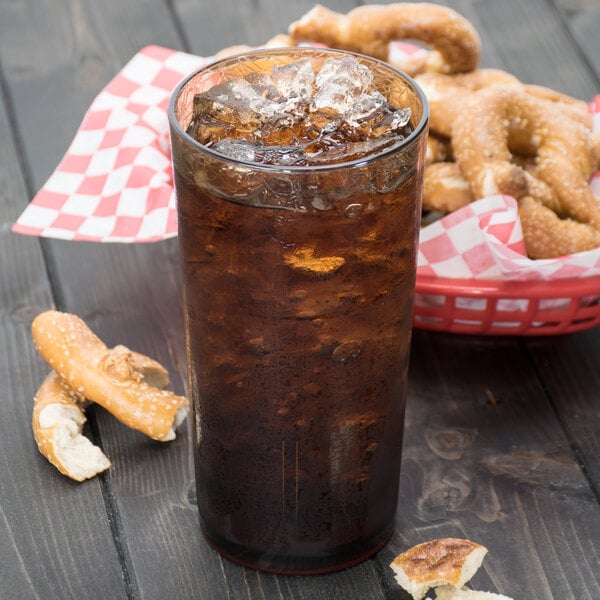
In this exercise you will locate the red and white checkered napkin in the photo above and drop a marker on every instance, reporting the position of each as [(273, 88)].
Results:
[(115, 184)]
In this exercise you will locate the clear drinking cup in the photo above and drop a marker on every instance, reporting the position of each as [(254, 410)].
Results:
[(298, 292)]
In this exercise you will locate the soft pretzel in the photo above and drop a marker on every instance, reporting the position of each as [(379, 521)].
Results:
[(58, 417), (57, 421), (574, 108), (546, 235), (444, 188), (107, 377), (498, 119), (369, 29), (445, 561), (448, 95), (439, 149)]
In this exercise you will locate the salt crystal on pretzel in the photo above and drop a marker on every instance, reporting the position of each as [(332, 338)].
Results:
[(107, 377), (449, 94), (501, 119)]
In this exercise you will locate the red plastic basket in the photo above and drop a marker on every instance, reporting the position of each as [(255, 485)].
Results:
[(507, 308)]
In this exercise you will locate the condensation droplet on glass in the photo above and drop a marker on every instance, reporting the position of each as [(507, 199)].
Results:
[(353, 210), (320, 203)]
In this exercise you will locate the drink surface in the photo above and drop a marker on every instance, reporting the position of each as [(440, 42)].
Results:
[(299, 114)]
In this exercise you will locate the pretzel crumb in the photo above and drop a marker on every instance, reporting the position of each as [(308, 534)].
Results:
[(444, 565)]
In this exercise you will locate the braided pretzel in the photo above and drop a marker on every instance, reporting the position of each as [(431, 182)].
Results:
[(369, 29)]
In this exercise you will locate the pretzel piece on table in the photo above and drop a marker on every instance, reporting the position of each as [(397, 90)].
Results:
[(57, 423), (107, 377)]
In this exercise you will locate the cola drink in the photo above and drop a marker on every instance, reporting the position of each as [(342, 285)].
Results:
[(298, 215)]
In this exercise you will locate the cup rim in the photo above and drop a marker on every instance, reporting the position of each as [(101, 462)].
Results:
[(417, 131)]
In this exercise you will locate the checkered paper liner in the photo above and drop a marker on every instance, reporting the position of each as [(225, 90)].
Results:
[(115, 184)]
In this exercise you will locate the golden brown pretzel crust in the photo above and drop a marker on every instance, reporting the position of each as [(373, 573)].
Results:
[(441, 559), (107, 377), (448, 94), (369, 30), (548, 236), (574, 108), (444, 188), (499, 118)]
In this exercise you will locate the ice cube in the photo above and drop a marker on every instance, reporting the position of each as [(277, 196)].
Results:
[(280, 155), (295, 79), (293, 116), (356, 76), (248, 151), (339, 82), (364, 107), (241, 150), (263, 85), (401, 118), (342, 151), (237, 102)]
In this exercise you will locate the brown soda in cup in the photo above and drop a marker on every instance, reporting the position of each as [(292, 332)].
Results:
[(298, 224)]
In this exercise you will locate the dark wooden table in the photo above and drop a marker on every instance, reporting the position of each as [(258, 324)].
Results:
[(502, 434)]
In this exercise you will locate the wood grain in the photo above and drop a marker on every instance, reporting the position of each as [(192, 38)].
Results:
[(490, 462), (582, 18), (51, 529), (501, 434)]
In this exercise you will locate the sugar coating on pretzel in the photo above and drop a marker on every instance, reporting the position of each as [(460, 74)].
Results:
[(106, 377), (500, 118), (369, 29)]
